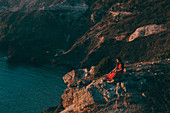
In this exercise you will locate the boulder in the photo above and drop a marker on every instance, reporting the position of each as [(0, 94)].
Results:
[(69, 76), (119, 14), (146, 31), (75, 75), (68, 97), (92, 70)]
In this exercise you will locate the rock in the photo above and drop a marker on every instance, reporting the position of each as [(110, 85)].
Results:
[(129, 70), (92, 18), (85, 82), (120, 37), (120, 14), (120, 89), (92, 69), (139, 65), (147, 30), (68, 97), (73, 84), (68, 109), (97, 15), (75, 75), (143, 94), (138, 69), (86, 97), (69, 76), (49, 110)]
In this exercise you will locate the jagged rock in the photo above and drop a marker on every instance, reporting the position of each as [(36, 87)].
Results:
[(147, 30), (69, 76), (120, 37), (129, 70), (92, 18), (138, 69), (97, 15), (75, 75), (84, 82), (119, 15), (120, 89), (80, 83), (86, 97), (92, 69), (97, 92), (73, 84), (68, 97), (68, 109)]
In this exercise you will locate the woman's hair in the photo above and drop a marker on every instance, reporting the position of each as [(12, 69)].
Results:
[(120, 60)]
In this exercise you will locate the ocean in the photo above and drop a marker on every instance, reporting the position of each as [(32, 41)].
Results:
[(29, 89)]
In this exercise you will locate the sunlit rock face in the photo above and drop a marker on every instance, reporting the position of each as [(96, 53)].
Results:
[(147, 30)]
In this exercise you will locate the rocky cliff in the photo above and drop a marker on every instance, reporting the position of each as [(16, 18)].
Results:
[(115, 23), (36, 36), (144, 87), (81, 33)]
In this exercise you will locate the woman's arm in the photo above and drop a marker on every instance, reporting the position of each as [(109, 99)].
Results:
[(120, 67), (114, 69)]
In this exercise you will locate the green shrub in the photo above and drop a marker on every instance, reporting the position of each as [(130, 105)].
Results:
[(104, 66)]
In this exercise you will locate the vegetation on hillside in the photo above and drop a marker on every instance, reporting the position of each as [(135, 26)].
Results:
[(105, 66)]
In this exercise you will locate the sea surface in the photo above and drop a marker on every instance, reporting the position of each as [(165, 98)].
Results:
[(29, 89)]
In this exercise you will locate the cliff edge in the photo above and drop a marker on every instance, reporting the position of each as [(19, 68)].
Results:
[(142, 88)]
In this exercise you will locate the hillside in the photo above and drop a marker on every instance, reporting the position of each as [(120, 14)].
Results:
[(134, 30), (36, 36), (81, 33)]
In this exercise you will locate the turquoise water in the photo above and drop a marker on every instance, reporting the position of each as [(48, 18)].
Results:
[(28, 89)]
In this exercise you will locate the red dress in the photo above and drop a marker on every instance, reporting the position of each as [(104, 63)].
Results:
[(116, 74)]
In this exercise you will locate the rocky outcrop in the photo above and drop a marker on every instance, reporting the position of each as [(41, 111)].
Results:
[(119, 15), (29, 5), (146, 31), (132, 92), (97, 15)]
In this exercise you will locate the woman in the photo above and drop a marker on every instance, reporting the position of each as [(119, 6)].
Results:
[(117, 71)]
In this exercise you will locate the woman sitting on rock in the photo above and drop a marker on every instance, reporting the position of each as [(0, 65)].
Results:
[(117, 71)]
